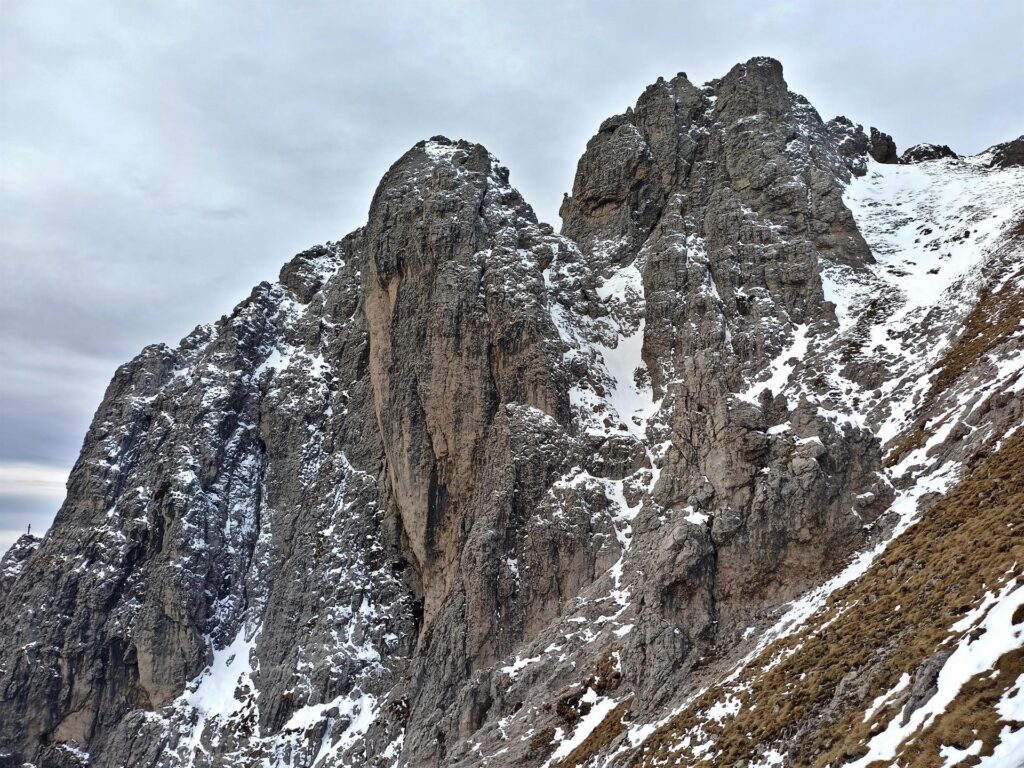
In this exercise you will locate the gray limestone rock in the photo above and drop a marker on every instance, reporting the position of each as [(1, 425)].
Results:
[(455, 480), (1009, 154), (921, 152), (882, 148)]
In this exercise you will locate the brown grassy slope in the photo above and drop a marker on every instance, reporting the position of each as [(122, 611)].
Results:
[(812, 704), (995, 317)]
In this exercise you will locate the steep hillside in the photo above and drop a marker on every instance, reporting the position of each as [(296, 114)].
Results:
[(726, 473)]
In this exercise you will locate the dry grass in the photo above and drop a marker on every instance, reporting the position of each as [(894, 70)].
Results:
[(570, 708), (970, 717), (541, 743), (994, 318), (606, 677), (605, 733), (915, 438)]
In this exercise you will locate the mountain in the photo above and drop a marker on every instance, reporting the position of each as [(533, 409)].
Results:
[(727, 473)]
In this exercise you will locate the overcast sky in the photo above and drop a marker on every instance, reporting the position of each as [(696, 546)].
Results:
[(159, 159)]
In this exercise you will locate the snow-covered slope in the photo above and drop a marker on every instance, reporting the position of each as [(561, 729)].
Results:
[(939, 232)]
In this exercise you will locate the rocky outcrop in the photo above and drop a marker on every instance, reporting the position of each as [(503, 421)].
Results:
[(849, 675), (1009, 154), (921, 152), (725, 198), (882, 148), (14, 561), (458, 490), (857, 680)]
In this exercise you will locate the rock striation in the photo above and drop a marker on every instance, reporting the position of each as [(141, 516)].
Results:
[(459, 490)]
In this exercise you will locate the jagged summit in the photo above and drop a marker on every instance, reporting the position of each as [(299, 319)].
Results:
[(458, 490), (1008, 154), (470, 155), (921, 152)]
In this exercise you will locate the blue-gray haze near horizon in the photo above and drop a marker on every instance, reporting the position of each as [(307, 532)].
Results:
[(157, 161)]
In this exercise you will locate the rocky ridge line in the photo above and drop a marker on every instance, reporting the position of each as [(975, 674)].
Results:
[(457, 490)]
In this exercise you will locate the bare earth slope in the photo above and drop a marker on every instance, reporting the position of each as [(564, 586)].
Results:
[(727, 473)]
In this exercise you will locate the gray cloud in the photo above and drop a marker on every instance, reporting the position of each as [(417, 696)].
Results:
[(158, 159), (29, 496)]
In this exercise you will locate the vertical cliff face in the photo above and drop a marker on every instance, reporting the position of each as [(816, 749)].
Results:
[(458, 490), (472, 403), (458, 331), (727, 200)]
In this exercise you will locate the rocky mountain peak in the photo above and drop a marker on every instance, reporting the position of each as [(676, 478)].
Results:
[(921, 152), (754, 88), (883, 148), (1008, 154), (459, 490)]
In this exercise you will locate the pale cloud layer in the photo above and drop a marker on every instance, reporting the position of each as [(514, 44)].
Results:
[(28, 493), (158, 159)]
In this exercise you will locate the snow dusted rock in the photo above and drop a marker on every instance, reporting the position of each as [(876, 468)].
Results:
[(460, 491), (1007, 154), (921, 152), (883, 148), (14, 560), (720, 203), (472, 402), (223, 504), (300, 532), (929, 355)]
